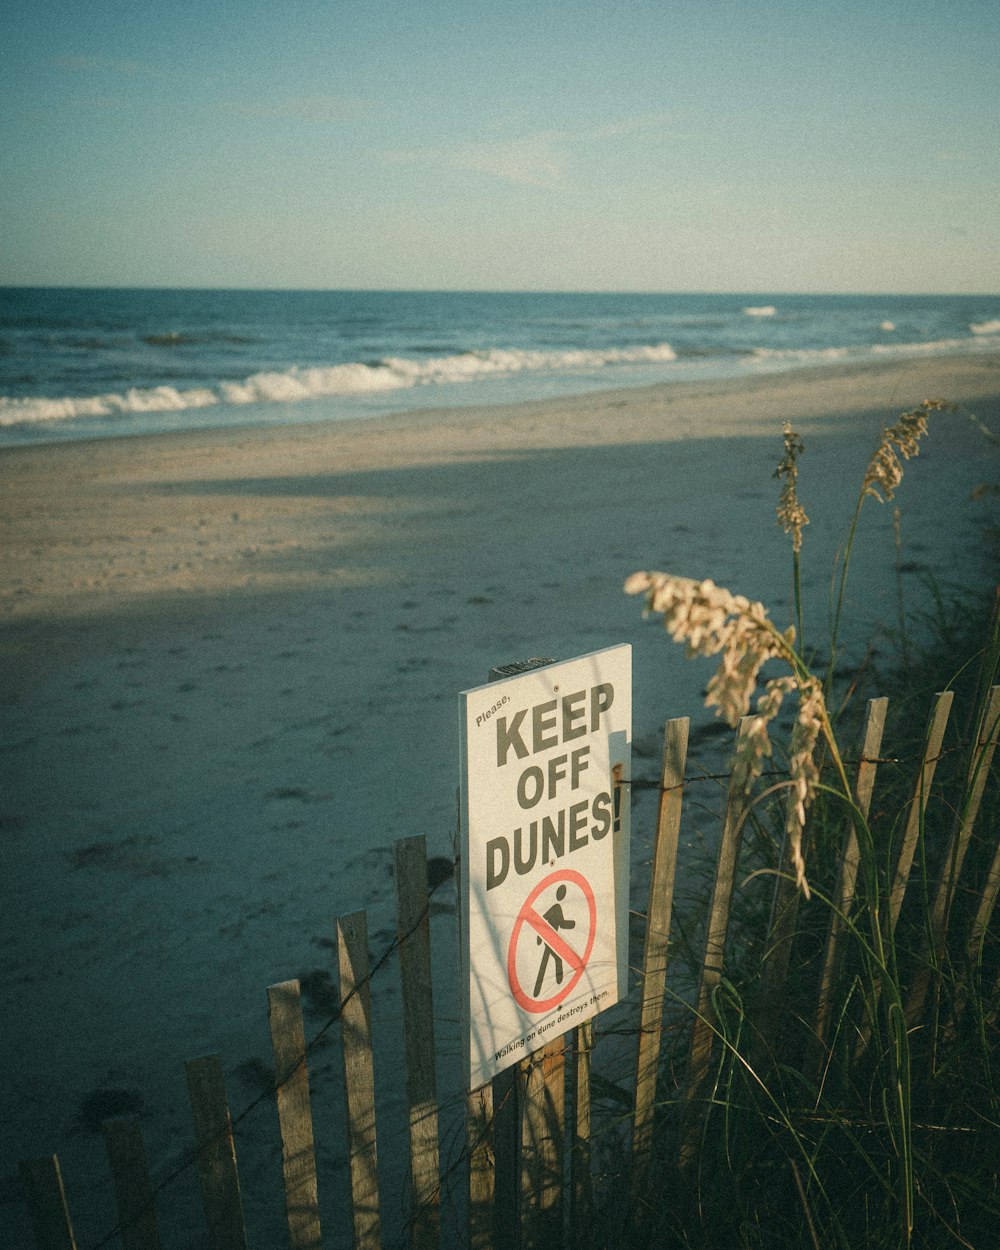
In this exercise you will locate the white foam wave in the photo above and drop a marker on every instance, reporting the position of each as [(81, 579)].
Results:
[(153, 399), (818, 355), (986, 327), (296, 384), (762, 310), (801, 354), (888, 326)]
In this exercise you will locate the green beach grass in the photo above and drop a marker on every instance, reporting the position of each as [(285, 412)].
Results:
[(883, 1128)]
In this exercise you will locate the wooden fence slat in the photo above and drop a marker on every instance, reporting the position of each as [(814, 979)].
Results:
[(47, 1204), (291, 1079), (655, 955), (980, 759), (359, 1077), (704, 1021), (847, 876), (778, 944), (581, 1179), (991, 887), (921, 793), (220, 1184), (133, 1188), (506, 1142), (479, 1126), (413, 932), (543, 1124), (933, 741)]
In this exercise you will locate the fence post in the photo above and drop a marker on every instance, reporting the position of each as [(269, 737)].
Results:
[(413, 934), (704, 1022), (359, 1077), (992, 885), (291, 1080), (980, 759), (581, 1180), (542, 1133), (133, 1190), (922, 790), (47, 1204), (847, 877), (479, 1130), (213, 1130), (658, 915)]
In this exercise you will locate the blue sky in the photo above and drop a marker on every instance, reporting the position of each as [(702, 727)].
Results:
[(679, 145)]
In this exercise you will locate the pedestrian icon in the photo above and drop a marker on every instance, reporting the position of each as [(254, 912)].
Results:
[(554, 971), (554, 916)]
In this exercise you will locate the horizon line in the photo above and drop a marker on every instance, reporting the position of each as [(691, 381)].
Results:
[(459, 290)]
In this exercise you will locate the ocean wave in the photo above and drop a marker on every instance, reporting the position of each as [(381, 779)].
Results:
[(819, 355), (174, 338), (762, 310), (802, 355), (986, 327), (293, 385)]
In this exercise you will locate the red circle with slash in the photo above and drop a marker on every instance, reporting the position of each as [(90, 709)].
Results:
[(553, 940)]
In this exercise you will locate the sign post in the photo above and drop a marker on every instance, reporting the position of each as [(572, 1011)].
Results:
[(545, 854)]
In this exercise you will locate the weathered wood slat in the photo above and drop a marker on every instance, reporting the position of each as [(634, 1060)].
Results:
[(479, 1129), (291, 1078), (413, 933), (704, 1022), (847, 877), (543, 1127), (980, 759), (581, 1178), (933, 741), (359, 1078), (47, 1204), (655, 954), (777, 952), (133, 1188), (991, 887), (921, 793), (213, 1131)]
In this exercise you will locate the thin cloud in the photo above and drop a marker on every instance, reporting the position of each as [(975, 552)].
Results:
[(540, 159), (631, 125), (311, 108), (104, 65), (531, 161)]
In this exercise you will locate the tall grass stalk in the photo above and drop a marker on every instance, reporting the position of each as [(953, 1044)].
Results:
[(881, 479), (856, 1154)]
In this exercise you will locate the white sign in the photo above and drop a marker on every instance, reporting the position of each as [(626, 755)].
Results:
[(545, 854)]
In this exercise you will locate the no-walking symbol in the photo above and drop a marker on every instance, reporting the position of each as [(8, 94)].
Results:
[(537, 941), (546, 753)]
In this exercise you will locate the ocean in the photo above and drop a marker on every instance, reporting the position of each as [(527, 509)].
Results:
[(81, 363)]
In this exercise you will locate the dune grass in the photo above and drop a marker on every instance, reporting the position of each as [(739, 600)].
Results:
[(872, 1118)]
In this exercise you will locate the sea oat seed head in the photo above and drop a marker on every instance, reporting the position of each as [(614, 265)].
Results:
[(711, 621), (791, 515), (885, 472)]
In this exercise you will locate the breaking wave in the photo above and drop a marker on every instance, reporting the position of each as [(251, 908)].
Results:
[(289, 386)]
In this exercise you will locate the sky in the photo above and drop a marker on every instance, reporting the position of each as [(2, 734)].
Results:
[(658, 145)]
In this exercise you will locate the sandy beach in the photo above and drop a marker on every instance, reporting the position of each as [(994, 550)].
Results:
[(231, 663)]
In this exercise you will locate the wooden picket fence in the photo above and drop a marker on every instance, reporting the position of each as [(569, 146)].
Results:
[(530, 1138)]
